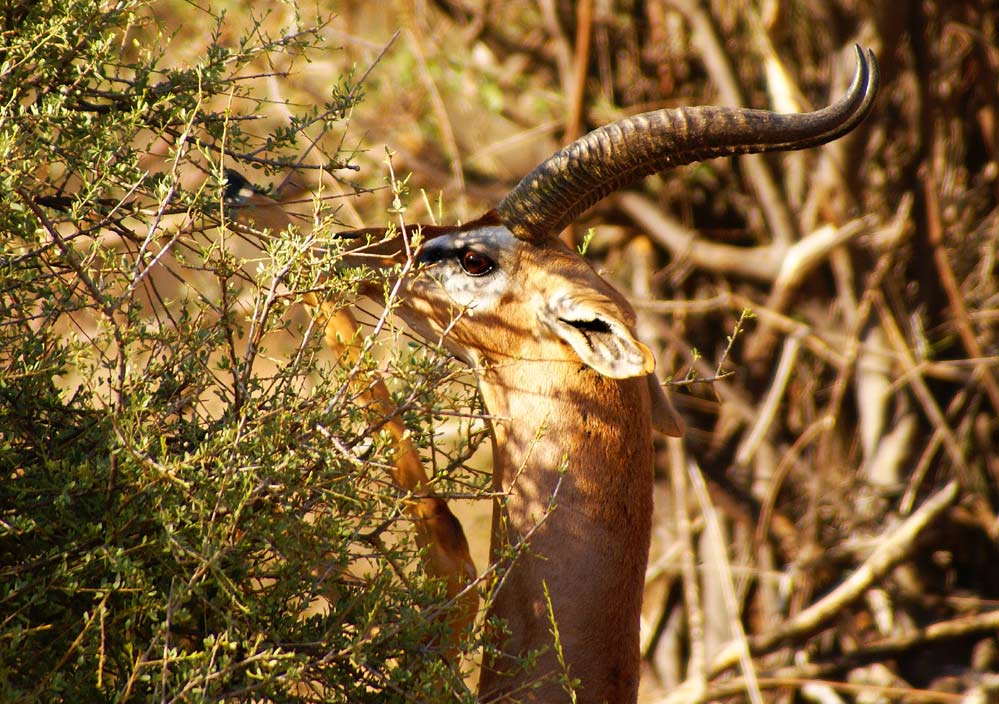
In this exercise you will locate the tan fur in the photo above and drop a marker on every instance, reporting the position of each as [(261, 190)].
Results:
[(550, 413), (591, 550)]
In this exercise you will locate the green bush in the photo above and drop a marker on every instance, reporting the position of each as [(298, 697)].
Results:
[(191, 507)]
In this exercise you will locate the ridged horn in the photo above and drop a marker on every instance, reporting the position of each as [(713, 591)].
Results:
[(616, 155)]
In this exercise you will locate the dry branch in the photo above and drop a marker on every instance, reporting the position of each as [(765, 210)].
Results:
[(775, 209), (893, 547)]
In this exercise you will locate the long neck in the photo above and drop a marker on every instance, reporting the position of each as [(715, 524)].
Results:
[(573, 461)]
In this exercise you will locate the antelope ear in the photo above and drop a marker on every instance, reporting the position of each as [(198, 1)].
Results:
[(601, 340), (665, 419)]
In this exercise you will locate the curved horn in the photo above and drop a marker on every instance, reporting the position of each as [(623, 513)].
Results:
[(618, 154)]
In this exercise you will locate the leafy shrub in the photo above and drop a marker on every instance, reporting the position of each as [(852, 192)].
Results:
[(191, 507)]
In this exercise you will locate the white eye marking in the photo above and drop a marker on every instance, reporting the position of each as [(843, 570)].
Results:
[(473, 292), (471, 268)]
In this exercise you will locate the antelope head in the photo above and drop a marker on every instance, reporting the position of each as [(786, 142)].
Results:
[(504, 288)]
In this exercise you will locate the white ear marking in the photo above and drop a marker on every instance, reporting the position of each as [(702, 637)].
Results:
[(601, 339)]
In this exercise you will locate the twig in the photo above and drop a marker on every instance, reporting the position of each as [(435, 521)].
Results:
[(987, 622), (737, 687), (802, 257), (810, 672), (912, 375), (723, 570), (94, 613), (892, 549), (796, 263), (771, 202), (776, 481), (922, 467), (69, 254), (759, 263), (783, 98), (448, 138), (580, 61), (576, 89), (962, 320), (314, 143), (691, 589), (563, 54), (765, 416)]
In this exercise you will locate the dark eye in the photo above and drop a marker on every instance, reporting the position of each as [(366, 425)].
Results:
[(475, 264)]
